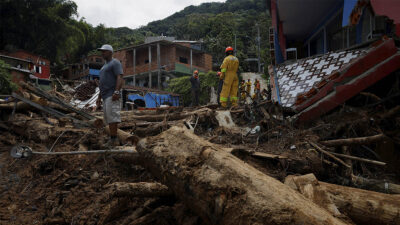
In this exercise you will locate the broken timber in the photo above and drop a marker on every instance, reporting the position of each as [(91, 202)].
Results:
[(363, 207), (354, 141), (221, 188), (140, 189)]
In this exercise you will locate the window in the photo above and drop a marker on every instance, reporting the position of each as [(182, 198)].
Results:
[(146, 61), (98, 60), (317, 44), (38, 69), (183, 60)]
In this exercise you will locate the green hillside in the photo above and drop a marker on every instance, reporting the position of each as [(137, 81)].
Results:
[(50, 28)]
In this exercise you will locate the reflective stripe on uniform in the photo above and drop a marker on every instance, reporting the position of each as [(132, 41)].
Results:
[(234, 98), (223, 99), (223, 70)]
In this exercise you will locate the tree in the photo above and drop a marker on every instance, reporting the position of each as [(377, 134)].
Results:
[(6, 85), (182, 87)]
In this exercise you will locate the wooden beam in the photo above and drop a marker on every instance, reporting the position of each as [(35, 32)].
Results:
[(359, 159), (361, 206), (48, 110), (354, 141), (191, 60), (329, 154), (140, 189), (150, 66), (56, 100), (159, 66), (134, 61)]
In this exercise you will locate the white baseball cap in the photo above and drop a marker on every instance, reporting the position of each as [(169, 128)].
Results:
[(106, 48)]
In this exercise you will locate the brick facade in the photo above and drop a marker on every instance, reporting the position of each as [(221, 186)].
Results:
[(41, 65), (170, 55)]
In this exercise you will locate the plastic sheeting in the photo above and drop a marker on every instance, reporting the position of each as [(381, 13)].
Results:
[(156, 100)]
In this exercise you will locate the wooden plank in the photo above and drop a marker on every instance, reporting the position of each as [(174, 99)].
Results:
[(329, 154), (354, 141), (267, 155), (51, 111)]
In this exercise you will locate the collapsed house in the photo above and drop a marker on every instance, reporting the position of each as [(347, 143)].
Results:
[(336, 51), (87, 69)]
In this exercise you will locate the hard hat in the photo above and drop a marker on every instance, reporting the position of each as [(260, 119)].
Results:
[(106, 48), (196, 72), (229, 48), (219, 73)]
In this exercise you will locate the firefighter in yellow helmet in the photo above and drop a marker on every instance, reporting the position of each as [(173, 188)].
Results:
[(229, 70), (248, 87)]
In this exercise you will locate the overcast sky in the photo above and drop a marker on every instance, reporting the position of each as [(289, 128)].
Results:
[(130, 13)]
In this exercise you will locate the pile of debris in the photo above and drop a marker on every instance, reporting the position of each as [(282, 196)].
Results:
[(250, 165), (86, 90)]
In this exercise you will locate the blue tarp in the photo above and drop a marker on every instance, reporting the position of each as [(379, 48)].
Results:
[(133, 97), (94, 72), (155, 100), (347, 9)]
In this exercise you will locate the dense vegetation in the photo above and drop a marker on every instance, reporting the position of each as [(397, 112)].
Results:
[(6, 85), (50, 28), (182, 87)]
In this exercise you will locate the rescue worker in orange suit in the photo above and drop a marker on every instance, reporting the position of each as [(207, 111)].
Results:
[(220, 84), (248, 87), (194, 80), (229, 70)]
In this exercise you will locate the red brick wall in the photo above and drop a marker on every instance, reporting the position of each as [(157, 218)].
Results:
[(207, 61), (35, 60)]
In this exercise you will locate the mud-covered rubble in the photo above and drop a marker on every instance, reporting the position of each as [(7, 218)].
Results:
[(75, 189)]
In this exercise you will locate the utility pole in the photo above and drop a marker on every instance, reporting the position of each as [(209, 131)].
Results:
[(235, 45), (259, 47)]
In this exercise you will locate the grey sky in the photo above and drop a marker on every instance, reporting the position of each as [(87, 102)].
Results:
[(130, 13)]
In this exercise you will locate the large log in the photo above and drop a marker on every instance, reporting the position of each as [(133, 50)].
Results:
[(363, 207), (202, 113), (376, 185), (221, 188)]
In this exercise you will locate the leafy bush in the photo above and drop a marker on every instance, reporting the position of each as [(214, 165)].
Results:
[(6, 85), (182, 86)]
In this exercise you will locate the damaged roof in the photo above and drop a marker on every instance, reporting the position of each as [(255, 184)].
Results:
[(316, 85), (300, 76)]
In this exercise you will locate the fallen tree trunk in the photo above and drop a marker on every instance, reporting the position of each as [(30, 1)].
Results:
[(354, 141), (202, 113), (141, 189), (123, 136), (363, 207), (221, 188), (35, 129), (376, 185)]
